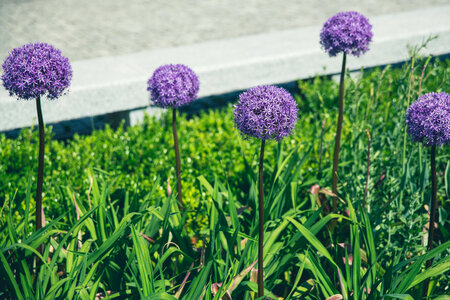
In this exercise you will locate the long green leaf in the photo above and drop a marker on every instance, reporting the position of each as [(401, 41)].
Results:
[(198, 284), (434, 271), (297, 278), (400, 296), (9, 274), (312, 239), (143, 262)]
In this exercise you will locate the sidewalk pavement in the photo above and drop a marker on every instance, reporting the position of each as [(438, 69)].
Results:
[(85, 29)]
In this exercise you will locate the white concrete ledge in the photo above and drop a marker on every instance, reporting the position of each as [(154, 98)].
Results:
[(111, 84)]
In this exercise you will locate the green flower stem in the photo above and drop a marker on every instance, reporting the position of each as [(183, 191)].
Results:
[(177, 157), (432, 211), (433, 200), (40, 177), (338, 131), (261, 224)]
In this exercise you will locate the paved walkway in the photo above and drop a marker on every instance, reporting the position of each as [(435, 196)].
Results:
[(86, 29)]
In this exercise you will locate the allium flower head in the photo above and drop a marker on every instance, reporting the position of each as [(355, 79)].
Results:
[(348, 32), (428, 119), (173, 86), (265, 112), (35, 70)]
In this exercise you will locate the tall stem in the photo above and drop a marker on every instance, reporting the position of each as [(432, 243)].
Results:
[(432, 209), (177, 157), (338, 131), (40, 177), (433, 199), (261, 224)]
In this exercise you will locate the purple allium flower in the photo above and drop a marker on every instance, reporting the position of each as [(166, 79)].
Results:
[(35, 70), (348, 32), (265, 112), (428, 119), (173, 86)]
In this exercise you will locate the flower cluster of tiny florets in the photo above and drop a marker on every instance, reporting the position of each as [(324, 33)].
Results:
[(173, 86), (428, 119), (348, 32), (265, 112), (35, 70)]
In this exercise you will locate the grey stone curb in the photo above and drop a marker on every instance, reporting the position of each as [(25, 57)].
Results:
[(110, 84)]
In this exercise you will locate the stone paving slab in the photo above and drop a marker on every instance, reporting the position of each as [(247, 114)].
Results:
[(110, 84), (85, 29)]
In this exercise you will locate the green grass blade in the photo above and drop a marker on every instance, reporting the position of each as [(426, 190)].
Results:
[(297, 278), (27, 205), (9, 274), (53, 262), (111, 240), (51, 294), (409, 278), (143, 262), (399, 296), (371, 252), (356, 265), (447, 179), (312, 240), (438, 269), (198, 284)]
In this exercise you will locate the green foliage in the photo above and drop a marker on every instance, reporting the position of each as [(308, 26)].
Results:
[(114, 231)]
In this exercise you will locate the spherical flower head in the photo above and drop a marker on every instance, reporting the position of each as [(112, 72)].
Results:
[(348, 32), (173, 86), (428, 119), (265, 112), (35, 70)]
